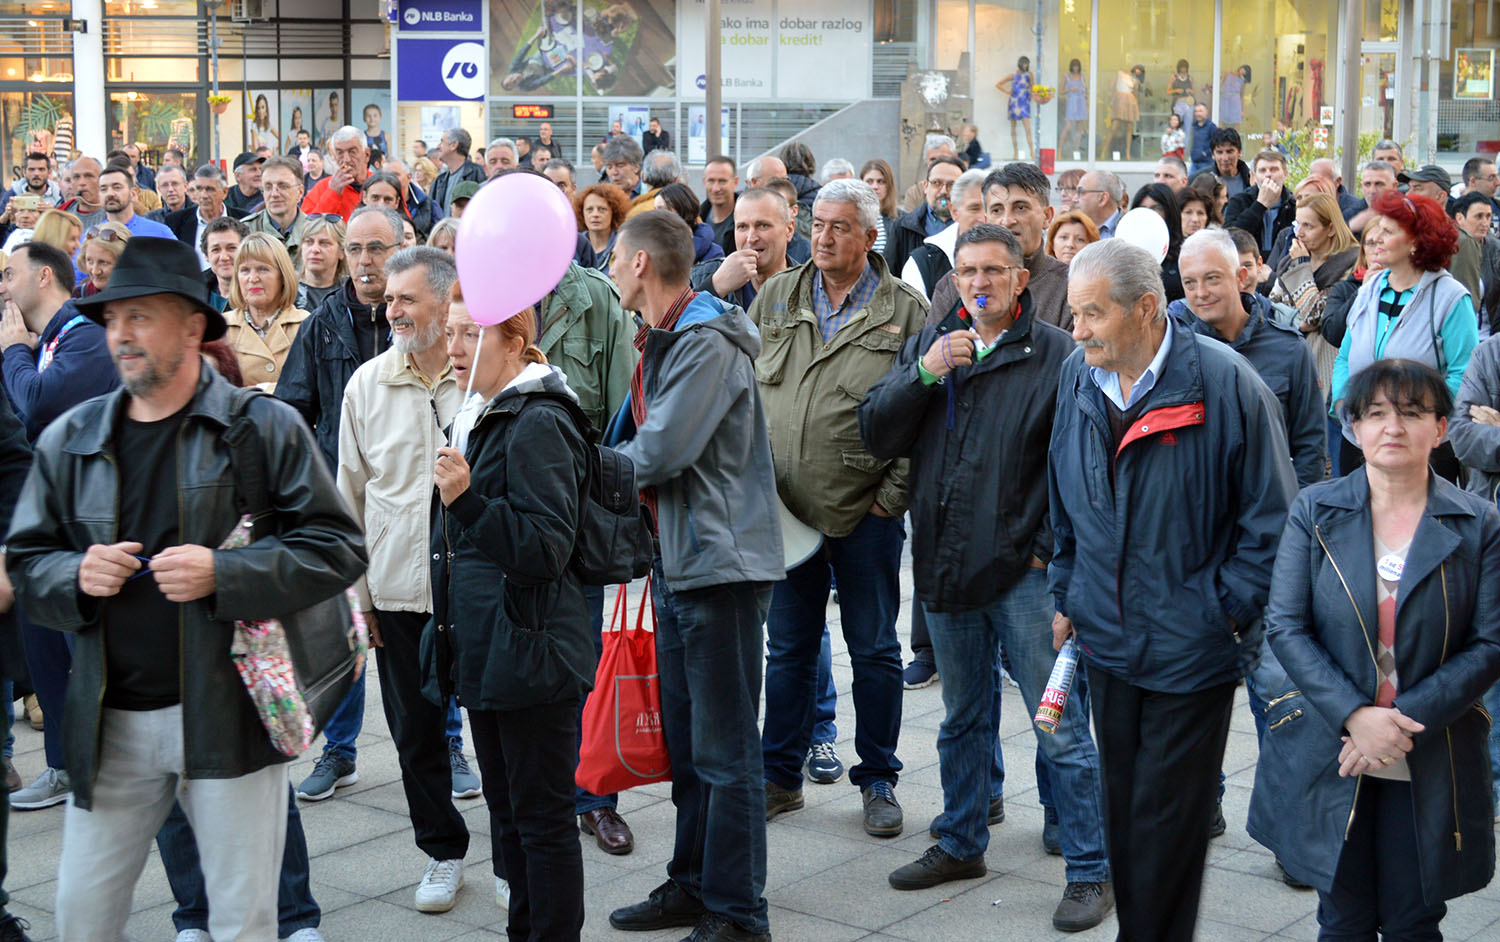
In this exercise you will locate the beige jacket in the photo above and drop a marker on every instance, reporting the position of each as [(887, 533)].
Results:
[(389, 434), (260, 357)]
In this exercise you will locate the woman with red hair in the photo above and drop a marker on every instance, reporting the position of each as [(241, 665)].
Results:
[(1413, 309)]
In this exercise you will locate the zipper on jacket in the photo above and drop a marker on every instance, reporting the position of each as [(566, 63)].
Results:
[(1358, 781), (1458, 837), (1283, 697), (1284, 720)]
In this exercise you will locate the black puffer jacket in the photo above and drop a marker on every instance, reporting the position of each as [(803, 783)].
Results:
[(71, 501), (510, 628), (978, 479)]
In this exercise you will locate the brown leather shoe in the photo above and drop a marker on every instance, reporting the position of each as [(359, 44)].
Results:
[(610, 831), (12, 777)]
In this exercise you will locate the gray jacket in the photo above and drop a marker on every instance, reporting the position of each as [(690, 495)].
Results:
[(705, 448), (1478, 445)]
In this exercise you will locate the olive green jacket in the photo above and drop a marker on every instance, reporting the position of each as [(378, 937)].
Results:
[(292, 238), (585, 334), (812, 390)]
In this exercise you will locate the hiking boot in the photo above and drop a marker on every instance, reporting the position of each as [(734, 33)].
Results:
[(332, 770), (781, 800), (823, 765), (1083, 906), (668, 906), (882, 811), (919, 674), (52, 787), (934, 867)]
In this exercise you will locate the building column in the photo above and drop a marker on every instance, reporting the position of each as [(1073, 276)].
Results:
[(90, 135)]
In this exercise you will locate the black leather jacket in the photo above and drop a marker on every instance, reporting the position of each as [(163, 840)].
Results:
[(71, 501), (1322, 629)]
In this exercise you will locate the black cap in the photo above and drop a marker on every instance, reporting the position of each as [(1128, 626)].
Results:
[(148, 266), (247, 158), (1431, 173)]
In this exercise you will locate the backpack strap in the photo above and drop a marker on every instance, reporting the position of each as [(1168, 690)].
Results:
[(248, 464)]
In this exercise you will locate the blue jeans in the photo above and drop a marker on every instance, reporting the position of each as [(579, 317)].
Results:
[(584, 800), (1492, 704), (868, 565), (708, 651), (966, 646), (824, 711), (295, 907)]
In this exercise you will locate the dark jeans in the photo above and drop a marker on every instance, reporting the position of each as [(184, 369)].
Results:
[(526, 759), (1160, 753), (584, 800), (49, 657), (825, 711), (295, 907), (921, 638), (708, 653), (419, 728), (1377, 888), (867, 563)]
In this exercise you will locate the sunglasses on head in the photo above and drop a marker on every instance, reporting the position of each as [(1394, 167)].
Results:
[(331, 217), (104, 235)]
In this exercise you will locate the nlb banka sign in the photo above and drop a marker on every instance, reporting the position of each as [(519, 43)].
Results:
[(452, 16)]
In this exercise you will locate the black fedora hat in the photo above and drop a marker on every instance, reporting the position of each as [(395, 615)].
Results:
[(156, 266)]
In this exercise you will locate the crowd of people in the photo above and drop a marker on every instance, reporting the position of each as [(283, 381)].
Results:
[(1266, 455)]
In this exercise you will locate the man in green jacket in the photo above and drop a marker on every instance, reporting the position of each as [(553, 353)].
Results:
[(584, 332), (829, 329)]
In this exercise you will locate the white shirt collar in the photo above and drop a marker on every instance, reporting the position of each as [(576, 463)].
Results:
[(1108, 381)]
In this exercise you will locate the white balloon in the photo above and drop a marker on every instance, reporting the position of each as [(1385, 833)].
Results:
[(1145, 229)]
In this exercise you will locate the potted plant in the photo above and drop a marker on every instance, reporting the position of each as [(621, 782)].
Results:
[(1041, 94), (219, 103)]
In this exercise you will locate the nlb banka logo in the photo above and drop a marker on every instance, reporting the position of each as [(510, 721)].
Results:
[(463, 71), (413, 16)]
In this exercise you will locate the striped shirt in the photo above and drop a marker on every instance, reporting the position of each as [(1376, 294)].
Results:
[(831, 319)]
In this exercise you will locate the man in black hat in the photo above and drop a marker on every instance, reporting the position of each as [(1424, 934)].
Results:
[(126, 500), (244, 197), (1434, 183)]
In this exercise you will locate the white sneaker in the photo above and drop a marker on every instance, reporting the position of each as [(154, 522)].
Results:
[(306, 935), (502, 893), (440, 884), (194, 935)]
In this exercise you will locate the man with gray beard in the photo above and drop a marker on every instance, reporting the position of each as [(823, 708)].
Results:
[(395, 408)]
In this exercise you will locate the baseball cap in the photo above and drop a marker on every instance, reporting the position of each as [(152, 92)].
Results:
[(1430, 173), (247, 158), (465, 190)]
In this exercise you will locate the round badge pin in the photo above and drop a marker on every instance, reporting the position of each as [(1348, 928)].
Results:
[(1390, 567)]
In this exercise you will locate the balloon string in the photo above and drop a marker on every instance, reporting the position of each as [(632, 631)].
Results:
[(473, 362)]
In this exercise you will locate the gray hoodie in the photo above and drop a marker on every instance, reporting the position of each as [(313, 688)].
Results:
[(706, 450)]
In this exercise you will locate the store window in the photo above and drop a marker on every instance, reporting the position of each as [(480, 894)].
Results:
[(1072, 87), (1382, 18), (155, 121), (34, 120), (34, 7), (1468, 113), (150, 7), (1155, 59), (1278, 61)]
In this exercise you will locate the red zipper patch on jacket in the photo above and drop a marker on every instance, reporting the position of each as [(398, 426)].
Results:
[(1162, 420)]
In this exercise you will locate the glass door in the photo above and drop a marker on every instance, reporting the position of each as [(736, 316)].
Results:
[(1377, 91)]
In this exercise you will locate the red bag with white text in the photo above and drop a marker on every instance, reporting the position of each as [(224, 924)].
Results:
[(623, 744)]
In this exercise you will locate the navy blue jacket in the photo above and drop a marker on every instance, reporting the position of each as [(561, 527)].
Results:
[(1322, 627), (1285, 364), (81, 369), (1164, 570), (1200, 155)]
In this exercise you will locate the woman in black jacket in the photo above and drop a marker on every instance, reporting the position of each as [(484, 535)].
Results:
[(1374, 782), (510, 633)]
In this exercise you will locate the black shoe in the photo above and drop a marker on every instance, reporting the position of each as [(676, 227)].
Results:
[(781, 800), (1050, 827), (882, 812), (1286, 878), (995, 815), (934, 867), (668, 905), (1218, 827), (1083, 906), (715, 928), (13, 928)]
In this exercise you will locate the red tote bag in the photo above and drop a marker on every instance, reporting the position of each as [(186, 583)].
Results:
[(623, 744)]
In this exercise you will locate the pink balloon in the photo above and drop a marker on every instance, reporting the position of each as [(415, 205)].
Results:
[(515, 240)]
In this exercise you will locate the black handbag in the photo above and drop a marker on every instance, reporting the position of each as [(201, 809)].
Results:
[(327, 644)]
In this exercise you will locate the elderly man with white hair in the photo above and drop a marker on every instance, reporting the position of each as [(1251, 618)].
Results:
[(1349, 204), (861, 314), (763, 170), (340, 191), (1170, 483), (500, 155), (836, 168)]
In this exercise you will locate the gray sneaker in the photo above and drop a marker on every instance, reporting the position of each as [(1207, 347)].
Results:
[(465, 782), (332, 770), (52, 787)]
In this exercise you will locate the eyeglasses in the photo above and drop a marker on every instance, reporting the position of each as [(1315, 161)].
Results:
[(1083, 192), (991, 271), (104, 235), (331, 217), (356, 249)]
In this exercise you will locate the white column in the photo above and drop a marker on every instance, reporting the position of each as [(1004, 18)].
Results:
[(89, 133)]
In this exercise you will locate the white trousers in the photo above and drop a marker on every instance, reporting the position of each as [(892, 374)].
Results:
[(240, 824)]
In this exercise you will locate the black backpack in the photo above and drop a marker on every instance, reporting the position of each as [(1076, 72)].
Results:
[(615, 536)]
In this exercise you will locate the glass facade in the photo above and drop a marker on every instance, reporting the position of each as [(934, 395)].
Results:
[(1468, 111)]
